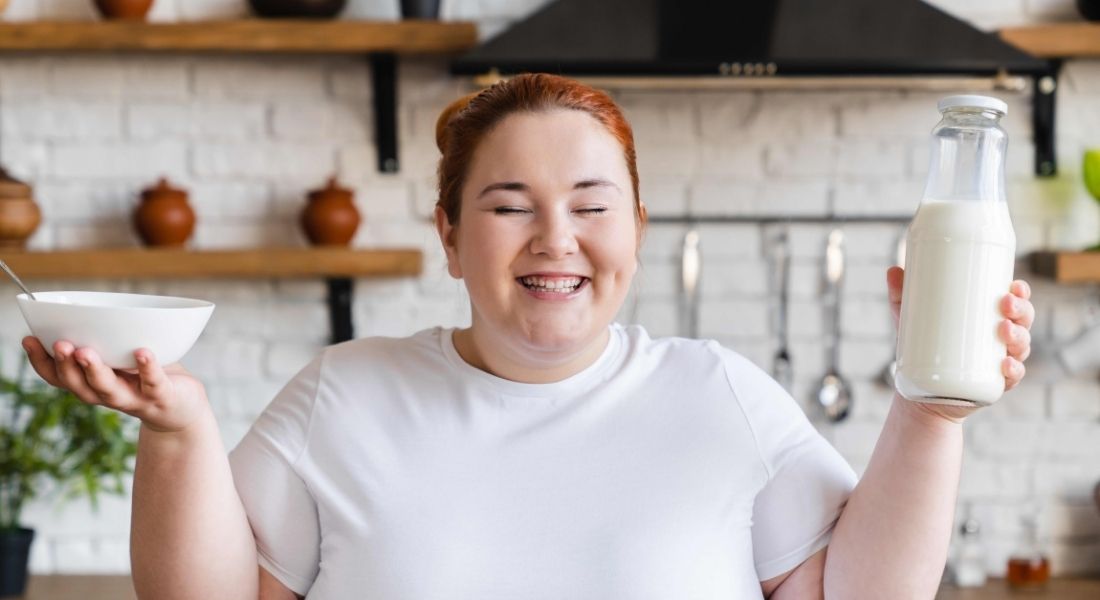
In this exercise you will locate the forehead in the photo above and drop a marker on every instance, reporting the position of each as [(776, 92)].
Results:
[(550, 146)]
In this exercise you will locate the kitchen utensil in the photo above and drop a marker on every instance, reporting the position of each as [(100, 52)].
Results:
[(19, 214), (887, 375), (16, 279), (309, 9), (690, 266), (128, 10), (330, 217), (834, 396), (163, 217), (114, 325), (782, 370)]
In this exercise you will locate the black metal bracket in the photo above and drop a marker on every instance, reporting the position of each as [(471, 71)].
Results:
[(384, 80), (1044, 94), (339, 308)]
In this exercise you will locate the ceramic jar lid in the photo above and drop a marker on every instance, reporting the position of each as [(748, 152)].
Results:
[(332, 189), (163, 190), (11, 187)]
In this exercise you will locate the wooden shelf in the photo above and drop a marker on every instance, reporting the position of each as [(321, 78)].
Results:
[(247, 35), (1056, 40), (1068, 267), (265, 263)]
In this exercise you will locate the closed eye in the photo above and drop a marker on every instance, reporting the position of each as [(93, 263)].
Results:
[(508, 210), (592, 211)]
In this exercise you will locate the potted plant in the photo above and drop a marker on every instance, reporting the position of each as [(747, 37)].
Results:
[(51, 441)]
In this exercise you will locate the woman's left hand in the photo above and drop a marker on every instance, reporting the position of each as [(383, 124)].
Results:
[(1015, 330)]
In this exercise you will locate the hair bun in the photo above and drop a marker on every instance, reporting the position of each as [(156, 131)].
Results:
[(445, 118)]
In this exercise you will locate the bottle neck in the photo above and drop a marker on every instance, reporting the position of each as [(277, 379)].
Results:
[(968, 155)]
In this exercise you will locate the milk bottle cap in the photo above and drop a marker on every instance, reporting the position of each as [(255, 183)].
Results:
[(987, 102)]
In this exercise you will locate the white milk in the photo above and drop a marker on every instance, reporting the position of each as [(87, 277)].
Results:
[(959, 259)]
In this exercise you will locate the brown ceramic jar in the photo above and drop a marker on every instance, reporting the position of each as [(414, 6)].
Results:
[(19, 215), (163, 217), (330, 217), (129, 10)]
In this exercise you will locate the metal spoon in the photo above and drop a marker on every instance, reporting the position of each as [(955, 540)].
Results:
[(690, 264), (16, 279), (781, 363), (834, 395)]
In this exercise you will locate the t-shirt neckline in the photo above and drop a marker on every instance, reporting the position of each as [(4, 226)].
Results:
[(570, 386)]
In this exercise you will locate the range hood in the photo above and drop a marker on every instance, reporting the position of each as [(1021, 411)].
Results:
[(726, 38)]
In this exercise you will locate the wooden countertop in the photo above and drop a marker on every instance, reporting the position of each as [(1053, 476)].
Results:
[(84, 587), (99, 587)]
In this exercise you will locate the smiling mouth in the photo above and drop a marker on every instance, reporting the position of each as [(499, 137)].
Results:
[(557, 285)]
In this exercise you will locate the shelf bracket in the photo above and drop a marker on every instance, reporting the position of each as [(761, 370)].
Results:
[(339, 308), (1043, 97), (384, 81)]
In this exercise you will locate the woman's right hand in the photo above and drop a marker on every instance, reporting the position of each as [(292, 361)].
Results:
[(167, 399)]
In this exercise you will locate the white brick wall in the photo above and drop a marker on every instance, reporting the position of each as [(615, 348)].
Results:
[(249, 135)]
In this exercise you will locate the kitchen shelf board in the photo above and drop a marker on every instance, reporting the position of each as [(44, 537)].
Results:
[(1056, 40), (1068, 267), (246, 35), (381, 41), (277, 263)]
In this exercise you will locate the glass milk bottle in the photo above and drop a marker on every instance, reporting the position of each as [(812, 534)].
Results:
[(960, 252)]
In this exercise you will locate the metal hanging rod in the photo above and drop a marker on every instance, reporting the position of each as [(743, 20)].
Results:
[(772, 219)]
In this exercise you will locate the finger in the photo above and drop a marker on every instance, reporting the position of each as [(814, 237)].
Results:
[(1021, 311), (1017, 340), (1021, 288), (154, 381), (71, 374), (895, 279), (111, 390), (1013, 370), (41, 361)]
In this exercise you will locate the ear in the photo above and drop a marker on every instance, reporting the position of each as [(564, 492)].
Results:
[(447, 235)]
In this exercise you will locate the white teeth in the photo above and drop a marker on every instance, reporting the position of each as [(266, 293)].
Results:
[(563, 284)]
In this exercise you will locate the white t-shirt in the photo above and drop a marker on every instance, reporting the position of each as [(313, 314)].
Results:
[(390, 469)]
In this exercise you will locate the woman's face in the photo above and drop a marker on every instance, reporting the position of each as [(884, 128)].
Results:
[(547, 236)]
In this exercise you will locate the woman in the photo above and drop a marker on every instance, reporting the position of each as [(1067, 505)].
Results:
[(543, 452)]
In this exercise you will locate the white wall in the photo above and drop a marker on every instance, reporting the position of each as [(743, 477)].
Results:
[(248, 135)]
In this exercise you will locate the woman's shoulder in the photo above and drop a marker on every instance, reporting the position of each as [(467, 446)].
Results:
[(423, 345)]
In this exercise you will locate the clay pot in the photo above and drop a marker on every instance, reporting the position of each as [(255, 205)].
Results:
[(164, 218), (19, 215), (330, 217), (128, 10), (309, 9)]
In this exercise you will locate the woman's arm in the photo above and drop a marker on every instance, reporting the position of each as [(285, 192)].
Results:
[(189, 536), (892, 538)]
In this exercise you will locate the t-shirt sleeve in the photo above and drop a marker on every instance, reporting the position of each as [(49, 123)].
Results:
[(808, 480), (280, 508)]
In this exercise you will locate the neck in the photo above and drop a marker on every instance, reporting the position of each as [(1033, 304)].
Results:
[(513, 362)]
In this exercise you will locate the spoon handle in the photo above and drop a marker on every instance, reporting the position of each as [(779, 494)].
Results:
[(15, 278)]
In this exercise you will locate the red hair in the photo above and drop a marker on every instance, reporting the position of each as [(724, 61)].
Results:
[(466, 121)]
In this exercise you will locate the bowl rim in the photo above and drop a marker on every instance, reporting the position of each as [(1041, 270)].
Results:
[(198, 303)]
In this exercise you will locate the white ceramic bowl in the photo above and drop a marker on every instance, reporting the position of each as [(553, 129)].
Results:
[(114, 325)]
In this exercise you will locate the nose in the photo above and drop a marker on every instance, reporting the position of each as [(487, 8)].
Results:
[(554, 236)]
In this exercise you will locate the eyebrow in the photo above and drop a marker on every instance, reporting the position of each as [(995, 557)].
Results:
[(516, 186)]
